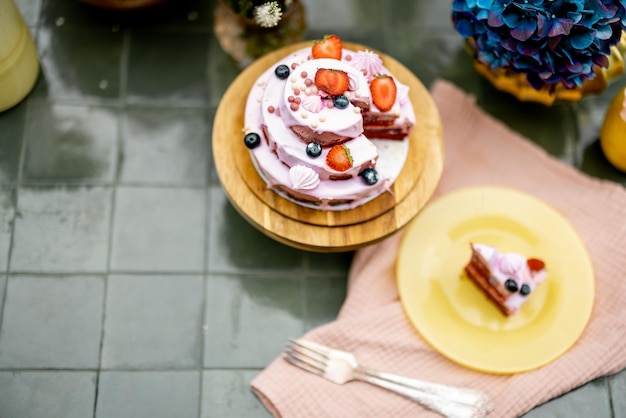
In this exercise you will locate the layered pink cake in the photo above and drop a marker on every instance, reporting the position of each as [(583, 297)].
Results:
[(315, 132), (507, 279)]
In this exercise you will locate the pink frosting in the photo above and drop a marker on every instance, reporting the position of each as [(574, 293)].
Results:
[(313, 103), (508, 265), (303, 178), (505, 266), (369, 63), (353, 84), (511, 264), (346, 122)]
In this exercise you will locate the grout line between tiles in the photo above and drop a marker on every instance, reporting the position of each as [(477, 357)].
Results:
[(116, 369), (124, 59), (100, 346), (118, 164), (128, 369), (104, 184), (20, 168), (609, 391), (205, 288)]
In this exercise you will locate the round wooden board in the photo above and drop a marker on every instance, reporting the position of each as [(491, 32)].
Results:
[(319, 230)]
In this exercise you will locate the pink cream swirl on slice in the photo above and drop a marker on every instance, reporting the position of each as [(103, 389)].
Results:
[(511, 264)]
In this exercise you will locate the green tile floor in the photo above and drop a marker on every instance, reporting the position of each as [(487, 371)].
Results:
[(131, 287)]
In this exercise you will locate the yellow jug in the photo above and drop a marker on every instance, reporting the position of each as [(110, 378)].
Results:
[(19, 63), (613, 132)]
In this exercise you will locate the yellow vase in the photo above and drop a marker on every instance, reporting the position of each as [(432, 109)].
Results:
[(19, 64), (613, 132), (518, 86)]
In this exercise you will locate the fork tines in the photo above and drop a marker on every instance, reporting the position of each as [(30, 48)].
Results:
[(310, 346), (299, 355)]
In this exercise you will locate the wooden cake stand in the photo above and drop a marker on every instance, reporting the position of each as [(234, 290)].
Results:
[(320, 230)]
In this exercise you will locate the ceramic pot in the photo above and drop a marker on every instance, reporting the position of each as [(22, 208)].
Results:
[(518, 86), (19, 63), (245, 41)]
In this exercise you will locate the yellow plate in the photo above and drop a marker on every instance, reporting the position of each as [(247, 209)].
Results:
[(456, 318)]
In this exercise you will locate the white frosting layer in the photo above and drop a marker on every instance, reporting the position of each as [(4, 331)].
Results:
[(344, 122), (268, 113), (504, 266), (276, 173), (291, 150)]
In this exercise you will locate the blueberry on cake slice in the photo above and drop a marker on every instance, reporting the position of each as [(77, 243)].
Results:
[(508, 279)]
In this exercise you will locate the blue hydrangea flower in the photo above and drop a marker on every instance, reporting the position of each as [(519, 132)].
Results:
[(551, 41)]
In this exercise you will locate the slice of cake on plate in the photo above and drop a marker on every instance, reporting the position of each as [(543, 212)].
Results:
[(508, 279)]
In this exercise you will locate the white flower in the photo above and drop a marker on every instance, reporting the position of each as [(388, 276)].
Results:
[(267, 14)]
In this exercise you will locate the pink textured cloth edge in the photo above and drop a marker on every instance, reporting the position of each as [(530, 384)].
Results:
[(479, 150)]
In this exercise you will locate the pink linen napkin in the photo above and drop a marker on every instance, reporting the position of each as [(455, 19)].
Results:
[(478, 150)]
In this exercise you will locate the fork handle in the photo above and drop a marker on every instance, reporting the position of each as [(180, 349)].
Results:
[(460, 395), (444, 406)]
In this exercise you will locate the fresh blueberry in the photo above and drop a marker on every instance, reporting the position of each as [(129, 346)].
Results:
[(313, 149), (525, 290), (341, 102), (252, 140), (511, 285), (369, 176), (282, 71)]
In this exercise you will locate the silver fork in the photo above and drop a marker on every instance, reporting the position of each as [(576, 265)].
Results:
[(341, 367)]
